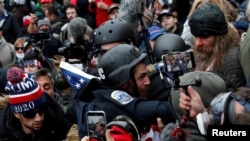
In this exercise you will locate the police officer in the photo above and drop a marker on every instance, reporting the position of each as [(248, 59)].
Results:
[(110, 34), (123, 74)]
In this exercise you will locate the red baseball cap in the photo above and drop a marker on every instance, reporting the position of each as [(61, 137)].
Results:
[(45, 1)]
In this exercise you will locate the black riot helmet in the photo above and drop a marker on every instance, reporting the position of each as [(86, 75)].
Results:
[(117, 30), (168, 43), (116, 64)]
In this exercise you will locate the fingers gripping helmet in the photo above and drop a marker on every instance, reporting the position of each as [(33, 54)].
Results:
[(168, 43), (116, 64), (116, 30)]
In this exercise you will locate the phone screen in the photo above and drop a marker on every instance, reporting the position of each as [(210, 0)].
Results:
[(96, 121), (179, 61)]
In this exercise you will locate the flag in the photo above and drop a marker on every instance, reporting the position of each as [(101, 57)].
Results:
[(75, 77)]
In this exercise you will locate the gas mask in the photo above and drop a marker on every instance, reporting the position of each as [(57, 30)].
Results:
[(224, 103)]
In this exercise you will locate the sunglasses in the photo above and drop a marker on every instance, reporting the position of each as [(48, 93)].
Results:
[(17, 48), (32, 113)]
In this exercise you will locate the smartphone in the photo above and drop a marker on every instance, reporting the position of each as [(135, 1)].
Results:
[(179, 61), (96, 123)]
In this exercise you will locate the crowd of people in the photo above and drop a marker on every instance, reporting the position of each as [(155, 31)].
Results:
[(163, 70)]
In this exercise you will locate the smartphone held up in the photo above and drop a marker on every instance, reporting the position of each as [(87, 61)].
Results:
[(96, 123), (179, 62)]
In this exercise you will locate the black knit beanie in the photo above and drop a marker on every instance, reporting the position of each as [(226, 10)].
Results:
[(208, 20)]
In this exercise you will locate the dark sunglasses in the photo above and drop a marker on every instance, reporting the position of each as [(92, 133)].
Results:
[(17, 48), (32, 113)]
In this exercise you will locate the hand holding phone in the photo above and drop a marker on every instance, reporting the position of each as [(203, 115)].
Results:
[(33, 18), (96, 122)]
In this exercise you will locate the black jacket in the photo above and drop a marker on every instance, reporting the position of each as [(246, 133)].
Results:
[(11, 29), (95, 96), (55, 126)]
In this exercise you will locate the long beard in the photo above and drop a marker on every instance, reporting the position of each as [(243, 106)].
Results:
[(203, 57)]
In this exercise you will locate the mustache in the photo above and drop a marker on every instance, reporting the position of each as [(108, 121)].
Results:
[(203, 57), (204, 51)]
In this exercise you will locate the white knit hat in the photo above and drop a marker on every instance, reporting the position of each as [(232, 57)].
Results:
[(19, 2)]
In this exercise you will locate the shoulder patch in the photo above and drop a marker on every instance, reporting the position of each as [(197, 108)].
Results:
[(121, 97)]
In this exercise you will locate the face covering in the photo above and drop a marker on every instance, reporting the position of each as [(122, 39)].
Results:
[(20, 55)]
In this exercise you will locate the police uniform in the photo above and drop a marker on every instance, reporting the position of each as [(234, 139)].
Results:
[(115, 102)]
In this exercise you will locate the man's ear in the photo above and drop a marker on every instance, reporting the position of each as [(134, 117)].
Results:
[(17, 115), (175, 20)]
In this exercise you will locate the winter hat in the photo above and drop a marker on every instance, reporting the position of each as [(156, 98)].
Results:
[(24, 93), (26, 20), (45, 1), (207, 20), (154, 32), (43, 22), (19, 2)]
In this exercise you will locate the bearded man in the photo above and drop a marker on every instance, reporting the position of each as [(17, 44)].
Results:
[(216, 45)]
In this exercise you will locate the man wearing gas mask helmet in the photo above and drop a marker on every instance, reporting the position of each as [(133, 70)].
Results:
[(226, 108)]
